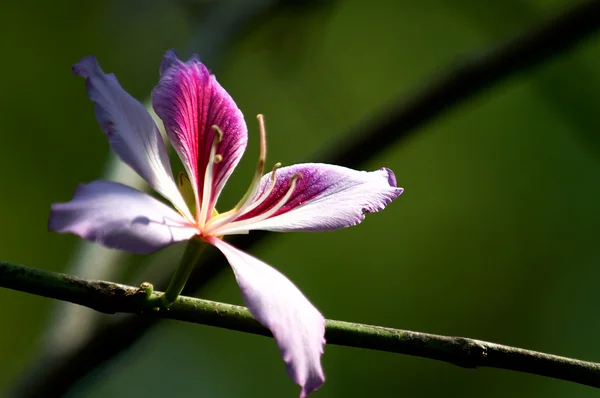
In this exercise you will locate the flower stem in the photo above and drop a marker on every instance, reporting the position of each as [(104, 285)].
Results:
[(110, 298), (193, 252)]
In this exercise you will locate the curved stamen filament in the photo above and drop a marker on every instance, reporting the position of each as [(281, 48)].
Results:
[(208, 176), (260, 168), (249, 205), (265, 215)]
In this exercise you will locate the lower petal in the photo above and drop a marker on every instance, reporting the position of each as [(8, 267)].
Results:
[(274, 301), (119, 217)]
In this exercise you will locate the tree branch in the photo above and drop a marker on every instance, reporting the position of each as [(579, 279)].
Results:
[(469, 77), (112, 298), (397, 122)]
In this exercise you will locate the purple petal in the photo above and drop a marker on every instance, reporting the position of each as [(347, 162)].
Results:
[(130, 130), (189, 100), (274, 301), (326, 197), (120, 217)]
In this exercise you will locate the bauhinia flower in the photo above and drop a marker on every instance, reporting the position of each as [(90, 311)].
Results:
[(209, 134)]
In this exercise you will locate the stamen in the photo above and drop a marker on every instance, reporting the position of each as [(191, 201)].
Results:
[(218, 133), (247, 206), (260, 168), (254, 205), (267, 214), (283, 200), (263, 138), (208, 177), (218, 158), (274, 170)]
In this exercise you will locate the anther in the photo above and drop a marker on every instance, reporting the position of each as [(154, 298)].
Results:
[(218, 133), (182, 179), (187, 192), (218, 158), (275, 167)]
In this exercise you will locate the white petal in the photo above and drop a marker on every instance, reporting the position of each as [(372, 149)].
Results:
[(120, 217), (326, 197), (130, 130), (274, 301)]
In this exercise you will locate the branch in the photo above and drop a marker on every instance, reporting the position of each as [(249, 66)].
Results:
[(110, 298), (401, 119), (466, 79)]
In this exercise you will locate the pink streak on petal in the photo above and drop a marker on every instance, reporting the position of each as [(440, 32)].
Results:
[(189, 100), (274, 301), (120, 217), (326, 197)]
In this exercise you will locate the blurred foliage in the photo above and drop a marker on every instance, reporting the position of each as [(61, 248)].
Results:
[(495, 237)]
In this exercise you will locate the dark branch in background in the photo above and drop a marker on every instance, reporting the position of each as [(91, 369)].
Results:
[(466, 79), (461, 82), (112, 298)]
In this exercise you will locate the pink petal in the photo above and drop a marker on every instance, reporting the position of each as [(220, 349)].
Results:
[(130, 130), (120, 217), (274, 301), (189, 100), (326, 197)]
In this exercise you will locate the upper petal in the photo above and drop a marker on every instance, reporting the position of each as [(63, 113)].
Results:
[(325, 197), (130, 130), (274, 301), (189, 100), (120, 217)]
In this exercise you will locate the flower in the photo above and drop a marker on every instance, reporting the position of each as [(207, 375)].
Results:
[(209, 134)]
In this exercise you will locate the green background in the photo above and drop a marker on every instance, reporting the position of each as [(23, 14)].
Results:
[(495, 237)]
